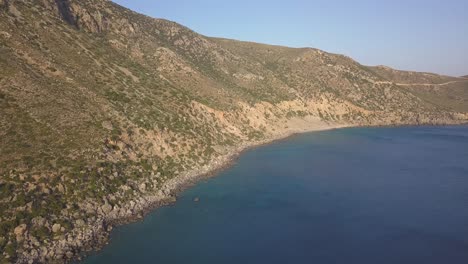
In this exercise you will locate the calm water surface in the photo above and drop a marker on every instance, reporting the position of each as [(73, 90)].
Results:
[(361, 195)]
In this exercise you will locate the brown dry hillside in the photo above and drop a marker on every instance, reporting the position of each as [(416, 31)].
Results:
[(450, 93), (103, 111), (408, 77)]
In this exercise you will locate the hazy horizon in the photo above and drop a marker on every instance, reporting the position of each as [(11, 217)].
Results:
[(423, 36)]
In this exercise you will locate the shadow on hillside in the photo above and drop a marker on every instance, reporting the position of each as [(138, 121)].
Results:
[(65, 12)]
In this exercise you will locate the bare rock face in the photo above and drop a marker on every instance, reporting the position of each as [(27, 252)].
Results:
[(65, 12), (93, 21), (77, 15)]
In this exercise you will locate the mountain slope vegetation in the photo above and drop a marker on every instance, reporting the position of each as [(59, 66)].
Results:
[(103, 110)]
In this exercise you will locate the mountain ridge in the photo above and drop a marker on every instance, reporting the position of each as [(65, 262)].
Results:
[(105, 112)]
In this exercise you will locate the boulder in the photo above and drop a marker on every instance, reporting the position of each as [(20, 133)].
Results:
[(56, 228), (61, 188), (88, 207), (19, 231), (106, 208), (79, 223)]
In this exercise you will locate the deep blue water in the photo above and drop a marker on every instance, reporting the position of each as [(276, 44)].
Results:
[(360, 195)]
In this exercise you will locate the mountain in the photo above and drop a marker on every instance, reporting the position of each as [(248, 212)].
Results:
[(105, 113)]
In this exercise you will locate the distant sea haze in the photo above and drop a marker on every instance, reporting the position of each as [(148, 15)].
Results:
[(359, 195)]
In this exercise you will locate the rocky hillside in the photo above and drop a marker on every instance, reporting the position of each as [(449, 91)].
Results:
[(104, 111)]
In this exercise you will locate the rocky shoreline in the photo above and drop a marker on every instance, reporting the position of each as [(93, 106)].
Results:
[(93, 237), (78, 243)]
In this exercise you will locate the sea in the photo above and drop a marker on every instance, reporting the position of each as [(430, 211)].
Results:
[(353, 195)]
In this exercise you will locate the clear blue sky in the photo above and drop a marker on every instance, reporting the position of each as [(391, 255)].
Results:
[(420, 35)]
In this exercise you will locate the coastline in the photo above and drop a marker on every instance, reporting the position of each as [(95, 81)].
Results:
[(238, 204), (229, 159), (178, 184), (94, 236)]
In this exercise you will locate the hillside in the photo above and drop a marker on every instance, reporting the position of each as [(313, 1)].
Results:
[(449, 93), (104, 112)]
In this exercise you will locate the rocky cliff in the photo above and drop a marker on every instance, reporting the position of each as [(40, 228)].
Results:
[(105, 112)]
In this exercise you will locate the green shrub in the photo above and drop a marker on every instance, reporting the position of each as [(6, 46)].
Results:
[(41, 233)]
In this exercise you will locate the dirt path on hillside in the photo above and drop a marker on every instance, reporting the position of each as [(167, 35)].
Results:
[(421, 84)]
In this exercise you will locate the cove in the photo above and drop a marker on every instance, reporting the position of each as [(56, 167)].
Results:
[(356, 195)]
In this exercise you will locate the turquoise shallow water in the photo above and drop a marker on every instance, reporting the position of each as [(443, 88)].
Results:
[(360, 195)]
